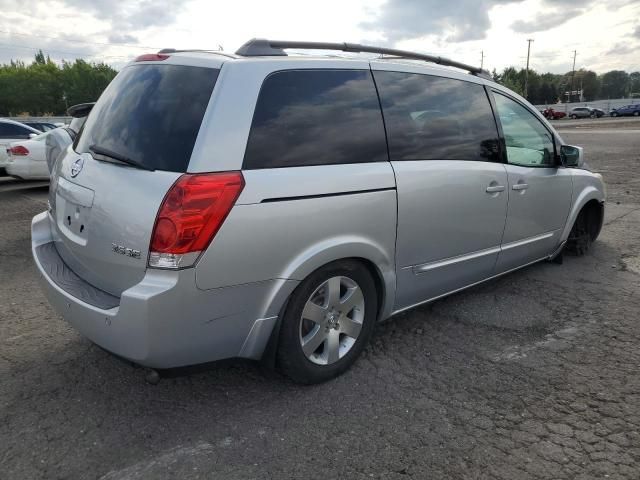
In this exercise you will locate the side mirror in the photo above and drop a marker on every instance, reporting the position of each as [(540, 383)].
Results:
[(571, 156), (33, 135)]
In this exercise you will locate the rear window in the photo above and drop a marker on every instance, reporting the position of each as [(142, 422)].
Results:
[(11, 130), (436, 118), (151, 114), (316, 117)]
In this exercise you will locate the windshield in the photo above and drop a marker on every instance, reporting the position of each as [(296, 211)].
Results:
[(150, 114)]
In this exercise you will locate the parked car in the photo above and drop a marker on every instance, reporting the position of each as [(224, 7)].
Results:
[(585, 112), (551, 114), (270, 215), (61, 138), (626, 111), (580, 112), (42, 126), (11, 131), (27, 158)]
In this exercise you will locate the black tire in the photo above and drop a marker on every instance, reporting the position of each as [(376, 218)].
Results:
[(583, 233), (636, 113), (290, 358), (614, 114), (575, 117)]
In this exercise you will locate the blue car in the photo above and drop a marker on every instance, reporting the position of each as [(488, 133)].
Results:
[(626, 110)]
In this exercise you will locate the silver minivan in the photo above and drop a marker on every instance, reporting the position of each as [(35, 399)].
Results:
[(272, 206)]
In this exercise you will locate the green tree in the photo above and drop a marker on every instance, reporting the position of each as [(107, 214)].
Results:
[(615, 84), (634, 83), (40, 58), (548, 92), (42, 86), (590, 84), (533, 86), (512, 79)]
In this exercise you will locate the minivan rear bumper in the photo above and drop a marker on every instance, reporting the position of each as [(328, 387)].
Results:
[(164, 321)]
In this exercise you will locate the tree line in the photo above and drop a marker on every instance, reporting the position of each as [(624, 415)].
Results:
[(550, 88), (46, 88)]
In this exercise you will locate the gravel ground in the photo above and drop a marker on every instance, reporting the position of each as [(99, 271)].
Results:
[(534, 375)]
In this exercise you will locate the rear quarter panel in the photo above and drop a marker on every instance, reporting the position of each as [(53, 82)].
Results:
[(288, 239), (323, 213)]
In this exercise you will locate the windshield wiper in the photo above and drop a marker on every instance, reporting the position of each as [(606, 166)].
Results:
[(105, 152)]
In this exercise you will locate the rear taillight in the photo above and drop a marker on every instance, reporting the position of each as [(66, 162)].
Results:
[(18, 151), (191, 214), (151, 57)]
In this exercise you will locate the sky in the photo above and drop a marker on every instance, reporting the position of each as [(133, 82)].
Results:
[(604, 33)]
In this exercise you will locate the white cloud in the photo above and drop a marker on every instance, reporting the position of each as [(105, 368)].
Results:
[(116, 31), (546, 20)]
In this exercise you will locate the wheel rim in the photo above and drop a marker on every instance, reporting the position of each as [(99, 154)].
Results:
[(331, 320)]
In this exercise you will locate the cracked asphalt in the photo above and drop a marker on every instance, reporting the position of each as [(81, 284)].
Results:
[(531, 376)]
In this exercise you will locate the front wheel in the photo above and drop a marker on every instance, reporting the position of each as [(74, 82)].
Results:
[(328, 322), (584, 231), (614, 114), (635, 114)]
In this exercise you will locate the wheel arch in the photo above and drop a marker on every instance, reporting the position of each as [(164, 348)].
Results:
[(379, 263), (596, 209), (590, 198)]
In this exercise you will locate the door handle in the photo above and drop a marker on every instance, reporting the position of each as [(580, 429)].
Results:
[(520, 186), (495, 188)]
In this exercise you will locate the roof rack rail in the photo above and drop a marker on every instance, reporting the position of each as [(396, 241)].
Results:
[(194, 50), (257, 47)]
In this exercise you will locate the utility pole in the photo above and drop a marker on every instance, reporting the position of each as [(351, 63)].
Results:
[(481, 59), (573, 74), (526, 75)]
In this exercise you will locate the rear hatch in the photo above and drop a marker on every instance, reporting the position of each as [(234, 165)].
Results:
[(106, 191)]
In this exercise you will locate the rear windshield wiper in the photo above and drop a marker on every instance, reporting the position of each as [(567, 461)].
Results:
[(105, 152)]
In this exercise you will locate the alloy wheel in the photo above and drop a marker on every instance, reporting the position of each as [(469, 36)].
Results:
[(331, 320)]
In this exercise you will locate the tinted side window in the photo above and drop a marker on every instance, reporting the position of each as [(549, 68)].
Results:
[(529, 143), (434, 118), (316, 117), (9, 130)]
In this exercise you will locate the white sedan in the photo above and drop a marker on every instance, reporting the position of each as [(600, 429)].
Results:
[(11, 131), (27, 158)]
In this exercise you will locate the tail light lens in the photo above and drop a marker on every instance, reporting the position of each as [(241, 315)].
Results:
[(18, 151), (191, 214)]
